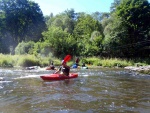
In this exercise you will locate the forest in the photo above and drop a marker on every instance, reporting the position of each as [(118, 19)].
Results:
[(124, 32)]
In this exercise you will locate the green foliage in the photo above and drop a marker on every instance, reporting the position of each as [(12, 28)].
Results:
[(114, 5), (23, 21), (42, 49), (3, 43), (115, 63), (122, 33), (64, 21), (60, 41), (24, 48), (100, 15), (127, 35), (91, 50), (87, 31), (115, 38), (140, 60), (31, 60), (6, 61), (91, 60), (97, 40), (105, 62), (28, 60), (39, 48), (86, 25), (134, 22)]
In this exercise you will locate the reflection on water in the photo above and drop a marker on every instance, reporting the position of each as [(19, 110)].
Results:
[(94, 91)]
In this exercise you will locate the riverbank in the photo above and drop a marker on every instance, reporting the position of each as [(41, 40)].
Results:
[(140, 69), (31, 61)]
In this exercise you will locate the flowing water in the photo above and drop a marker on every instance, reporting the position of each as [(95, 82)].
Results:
[(94, 91)]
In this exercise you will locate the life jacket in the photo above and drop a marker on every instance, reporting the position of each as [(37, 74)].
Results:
[(65, 70)]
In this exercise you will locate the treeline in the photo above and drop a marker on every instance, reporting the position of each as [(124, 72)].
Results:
[(124, 32)]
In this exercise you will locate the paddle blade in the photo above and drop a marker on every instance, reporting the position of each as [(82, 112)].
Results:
[(67, 58)]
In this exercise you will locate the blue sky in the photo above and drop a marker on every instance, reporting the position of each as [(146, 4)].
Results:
[(88, 6)]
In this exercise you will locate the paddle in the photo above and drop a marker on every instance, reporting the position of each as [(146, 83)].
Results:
[(67, 58)]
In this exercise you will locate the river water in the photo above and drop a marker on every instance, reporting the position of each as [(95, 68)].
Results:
[(94, 91)]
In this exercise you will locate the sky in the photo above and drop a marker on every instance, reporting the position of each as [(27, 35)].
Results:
[(87, 6)]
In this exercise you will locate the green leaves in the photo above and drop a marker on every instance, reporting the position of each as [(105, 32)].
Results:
[(130, 26), (24, 21)]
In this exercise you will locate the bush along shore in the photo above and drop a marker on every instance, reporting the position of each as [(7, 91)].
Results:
[(23, 61)]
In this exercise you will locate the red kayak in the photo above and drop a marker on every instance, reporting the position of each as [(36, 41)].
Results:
[(58, 76)]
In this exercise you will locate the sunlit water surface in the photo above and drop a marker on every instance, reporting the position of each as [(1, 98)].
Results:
[(94, 91)]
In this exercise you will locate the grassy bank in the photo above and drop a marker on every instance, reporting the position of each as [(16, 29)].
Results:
[(31, 60), (25, 60), (115, 62)]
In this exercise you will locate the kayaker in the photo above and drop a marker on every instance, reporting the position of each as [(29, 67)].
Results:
[(77, 61), (64, 69), (52, 66), (83, 65)]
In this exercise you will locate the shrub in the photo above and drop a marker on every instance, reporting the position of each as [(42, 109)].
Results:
[(28, 60), (24, 48)]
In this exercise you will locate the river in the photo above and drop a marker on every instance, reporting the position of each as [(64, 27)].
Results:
[(101, 90)]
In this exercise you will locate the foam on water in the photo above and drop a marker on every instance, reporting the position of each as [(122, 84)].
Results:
[(85, 75), (28, 76), (5, 81)]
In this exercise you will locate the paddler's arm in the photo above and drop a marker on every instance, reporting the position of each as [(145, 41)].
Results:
[(57, 71)]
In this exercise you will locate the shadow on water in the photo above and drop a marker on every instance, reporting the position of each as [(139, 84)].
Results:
[(94, 91)]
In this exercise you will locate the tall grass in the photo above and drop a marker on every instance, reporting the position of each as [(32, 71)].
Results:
[(31, 60), (6, 61), (109, 62), (22, 60)]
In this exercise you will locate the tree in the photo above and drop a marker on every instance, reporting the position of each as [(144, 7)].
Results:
[(127, 34), (64, 20), (60, 42), (84, 28), (135, 15), (60, 33), (115, 38), (24, 21), (114, 5), (86, 25), (100, 16), (71, 14), (3, 42), (95, 45), (24, 48)]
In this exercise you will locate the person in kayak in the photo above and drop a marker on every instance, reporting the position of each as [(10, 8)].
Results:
[(83, 64), (77, 61), (64, 69), (52, 66)]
